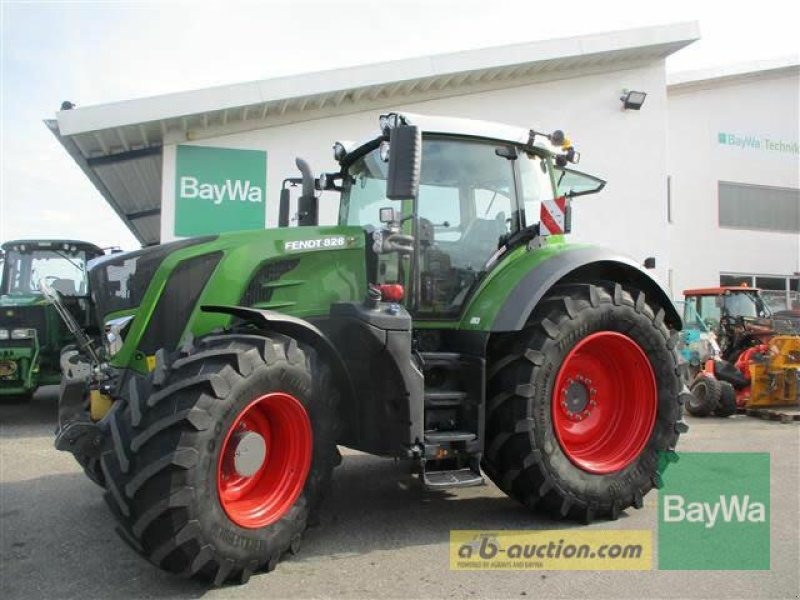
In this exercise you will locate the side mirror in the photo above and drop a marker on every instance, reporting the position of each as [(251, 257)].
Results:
[(283, 208), (405, 158)]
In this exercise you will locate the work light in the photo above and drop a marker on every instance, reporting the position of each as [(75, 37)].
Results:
[(632, 100)]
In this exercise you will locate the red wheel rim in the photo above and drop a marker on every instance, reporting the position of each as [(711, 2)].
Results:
[(261, 497), (604, 402)]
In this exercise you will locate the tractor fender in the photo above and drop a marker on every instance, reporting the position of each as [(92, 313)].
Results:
[(579, 264), (299, 329)]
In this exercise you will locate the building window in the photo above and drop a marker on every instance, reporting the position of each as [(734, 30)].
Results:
[(779, 292), (761, 207), (736, 280), (669, 198)]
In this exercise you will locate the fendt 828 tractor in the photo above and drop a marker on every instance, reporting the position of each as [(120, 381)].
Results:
[(441, 322), (31, 332)]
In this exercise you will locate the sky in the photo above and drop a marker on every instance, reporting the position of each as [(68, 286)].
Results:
[(98, 52)]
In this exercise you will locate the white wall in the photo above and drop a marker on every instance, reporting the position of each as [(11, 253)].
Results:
[(763, 107), (628, 148)]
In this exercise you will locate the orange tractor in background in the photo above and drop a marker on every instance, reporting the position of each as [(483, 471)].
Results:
[(753, 361)]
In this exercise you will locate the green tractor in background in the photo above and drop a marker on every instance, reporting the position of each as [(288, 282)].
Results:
[(443, 321), (31, 332)]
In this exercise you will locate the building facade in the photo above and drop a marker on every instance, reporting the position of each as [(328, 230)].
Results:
[(734, 179), (214, 160)]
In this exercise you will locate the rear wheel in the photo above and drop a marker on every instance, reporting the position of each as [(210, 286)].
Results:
[(727, 400), (706, 392), (213, 470), (583, 403)]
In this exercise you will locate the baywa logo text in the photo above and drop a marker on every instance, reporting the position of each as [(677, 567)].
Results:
[(727, 509), (236, 189), (754, 142)]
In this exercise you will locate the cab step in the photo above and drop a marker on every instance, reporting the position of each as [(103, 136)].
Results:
[(437, 480), (448, 437), (444, 399)]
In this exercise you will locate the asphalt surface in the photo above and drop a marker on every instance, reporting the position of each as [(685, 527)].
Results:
[(380, 534)]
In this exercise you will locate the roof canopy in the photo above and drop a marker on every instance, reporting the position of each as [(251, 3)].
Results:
[(118, 145)]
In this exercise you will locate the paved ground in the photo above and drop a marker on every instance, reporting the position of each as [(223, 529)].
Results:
[(380, 536)]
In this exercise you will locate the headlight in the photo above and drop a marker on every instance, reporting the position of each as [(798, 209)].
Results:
[(115, 334), (23, 334), (3, 334)]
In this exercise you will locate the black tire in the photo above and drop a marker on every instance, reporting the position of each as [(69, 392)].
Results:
[(162, 453), (523, 455), (727, 400), (706, 392)]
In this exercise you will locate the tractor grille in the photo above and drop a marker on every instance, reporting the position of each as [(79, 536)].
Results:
[(32, 317), (257, 292), (120, 282), (177, 301)]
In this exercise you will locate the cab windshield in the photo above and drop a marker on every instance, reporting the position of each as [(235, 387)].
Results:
[(64, 271), (746, 304)]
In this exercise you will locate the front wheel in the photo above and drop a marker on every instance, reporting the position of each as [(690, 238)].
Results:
[(213, 470), (584, 403)]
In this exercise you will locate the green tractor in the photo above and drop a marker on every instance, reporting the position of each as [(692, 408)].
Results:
[(442, 322), (31, 332)]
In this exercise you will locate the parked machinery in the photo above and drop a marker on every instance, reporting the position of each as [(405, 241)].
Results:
[(31, 333), (756, 367)]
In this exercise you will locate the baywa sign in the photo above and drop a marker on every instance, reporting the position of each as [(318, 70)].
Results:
[(219, 189)]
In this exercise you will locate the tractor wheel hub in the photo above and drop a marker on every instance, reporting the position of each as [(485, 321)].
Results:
[(249, 454), (576, 396)]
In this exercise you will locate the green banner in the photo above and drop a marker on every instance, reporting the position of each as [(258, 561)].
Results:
[(219, 189), (713, 512)]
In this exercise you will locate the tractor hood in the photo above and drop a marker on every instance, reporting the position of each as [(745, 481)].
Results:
[(22, 300), (299, 271)]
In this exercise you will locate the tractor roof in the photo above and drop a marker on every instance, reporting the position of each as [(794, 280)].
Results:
[(45, 244), (718, 291), (474, 128)]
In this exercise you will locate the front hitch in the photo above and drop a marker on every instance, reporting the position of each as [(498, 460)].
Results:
[(76, 432)]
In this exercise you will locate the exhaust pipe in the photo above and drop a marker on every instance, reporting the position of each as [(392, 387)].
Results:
[(307, 204)]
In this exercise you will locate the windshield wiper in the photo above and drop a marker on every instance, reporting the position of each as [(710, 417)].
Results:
[(74, 264)]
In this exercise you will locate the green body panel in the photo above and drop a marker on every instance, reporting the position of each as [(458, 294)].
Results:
[(321, 277), (487, 300), (37, 359)]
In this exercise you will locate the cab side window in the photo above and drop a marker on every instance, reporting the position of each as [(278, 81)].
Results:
[(536, 183)]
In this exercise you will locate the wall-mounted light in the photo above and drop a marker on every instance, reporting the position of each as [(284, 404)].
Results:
[(632, 100)]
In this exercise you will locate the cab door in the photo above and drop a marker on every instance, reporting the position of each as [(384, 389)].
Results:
[(466, 206)]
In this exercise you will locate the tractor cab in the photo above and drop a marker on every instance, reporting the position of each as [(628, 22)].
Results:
[(737, 315), (478, 193)]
